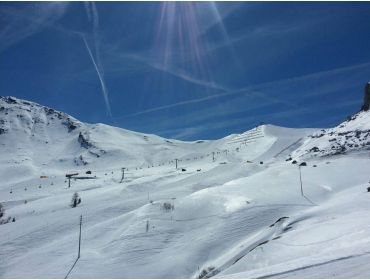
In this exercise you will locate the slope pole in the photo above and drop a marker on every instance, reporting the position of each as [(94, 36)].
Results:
[(79, 250), (123, 174), (79, 239), (300, 180), (302, 193)]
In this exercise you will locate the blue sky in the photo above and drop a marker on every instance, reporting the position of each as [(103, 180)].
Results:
[(188, 70)]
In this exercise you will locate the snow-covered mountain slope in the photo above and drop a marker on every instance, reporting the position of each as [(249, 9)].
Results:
[(34, 136), (66, 142), (233, 209), (352, 135)]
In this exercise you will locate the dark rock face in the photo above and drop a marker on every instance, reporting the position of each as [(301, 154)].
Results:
[(70, 124), (10, 100), (84, 142), (366, 104), (315, 149)]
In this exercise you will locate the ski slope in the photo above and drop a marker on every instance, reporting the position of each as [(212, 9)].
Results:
[(238, 211)]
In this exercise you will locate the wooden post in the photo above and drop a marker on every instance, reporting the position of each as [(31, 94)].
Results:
[(79, 239), (69, 182), (300, 179), (79, 250), (123, 174), (176, 160), (172, 206), (213, 156), (173, 203)]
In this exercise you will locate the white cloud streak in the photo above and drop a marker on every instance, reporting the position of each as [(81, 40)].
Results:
[(22, 23), (171, 70), (254, 90)]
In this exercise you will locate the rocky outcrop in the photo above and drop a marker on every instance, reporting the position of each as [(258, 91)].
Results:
[(84, 141), (366, 104), (351, 135)]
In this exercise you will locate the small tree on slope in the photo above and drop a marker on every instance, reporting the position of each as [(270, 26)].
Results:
[(2, 210), (75, 200), (2, 214)]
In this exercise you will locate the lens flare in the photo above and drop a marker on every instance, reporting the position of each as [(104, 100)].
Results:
[(179, 44)]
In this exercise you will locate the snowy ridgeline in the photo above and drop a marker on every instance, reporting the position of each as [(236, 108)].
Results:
[(234, 207)]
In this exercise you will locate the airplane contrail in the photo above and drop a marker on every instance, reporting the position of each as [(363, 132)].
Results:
[(87, 9), (95, 20), (104, 88), (254, 90), (92, 14)]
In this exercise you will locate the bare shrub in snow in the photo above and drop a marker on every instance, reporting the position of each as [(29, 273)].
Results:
[(76, 199), (167, 206), (5, 221), (207, 272), (2, 214), (2, 210)]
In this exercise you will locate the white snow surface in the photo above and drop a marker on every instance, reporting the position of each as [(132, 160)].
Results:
[(238, 211)]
